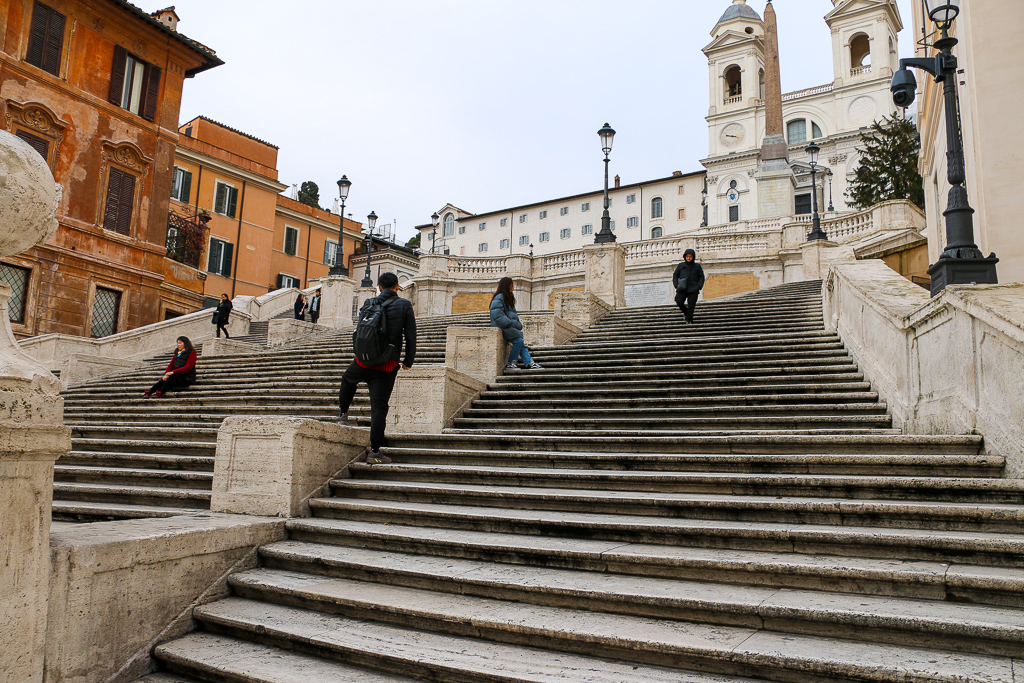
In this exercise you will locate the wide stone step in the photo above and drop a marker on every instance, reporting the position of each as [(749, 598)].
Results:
[(199, 463), (768, 403), (824, 462), (950, 626), (694, 379), (147, 446), (181, 479), (1003, 586), (668, 421), (725, 388), (649, 641), (950, 489), (139, 433), (481, 409), (661, 367), (144, 495), (90, 511), (986, 548), (796, 509), (698, 330), (422, 654)]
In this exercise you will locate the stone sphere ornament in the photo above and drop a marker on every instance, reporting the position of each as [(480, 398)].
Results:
[(29, 197)]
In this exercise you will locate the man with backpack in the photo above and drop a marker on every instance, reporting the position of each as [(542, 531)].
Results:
[(688, 280), (384, 321)]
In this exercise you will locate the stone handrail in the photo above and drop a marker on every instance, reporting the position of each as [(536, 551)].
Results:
[(494, 265), (807, 92), (571, 261), (858, 70)]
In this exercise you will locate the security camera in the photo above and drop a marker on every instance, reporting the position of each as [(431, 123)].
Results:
[(904, 88)]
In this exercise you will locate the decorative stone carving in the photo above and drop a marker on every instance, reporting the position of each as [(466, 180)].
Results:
[(28, 197), (837, 159)]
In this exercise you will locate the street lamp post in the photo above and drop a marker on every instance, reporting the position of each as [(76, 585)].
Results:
[(371, 223), (606, 235), (816, 232), (339, 254), (830, 206), (434, 218), (962, 261), (704, 204)]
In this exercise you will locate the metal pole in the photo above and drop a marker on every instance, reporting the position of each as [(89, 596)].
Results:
[(606, 234), (339, 254), (367, 280), (830, 206), (816, 232)]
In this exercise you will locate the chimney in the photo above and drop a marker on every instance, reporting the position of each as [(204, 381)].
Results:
[(617, 182), (168, 17), (677, 174)]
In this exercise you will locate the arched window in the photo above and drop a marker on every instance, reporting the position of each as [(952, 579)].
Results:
[(656, 233), (449, 224), (860, 51), (656, 207), (796, 131), (733, 81), (815, 131)]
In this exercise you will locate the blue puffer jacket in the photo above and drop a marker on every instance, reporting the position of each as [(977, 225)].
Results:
[(506, 318)]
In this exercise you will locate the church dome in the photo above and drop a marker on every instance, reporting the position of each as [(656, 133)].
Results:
[(740, 9)]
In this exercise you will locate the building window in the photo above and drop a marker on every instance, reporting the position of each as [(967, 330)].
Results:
[(860, 51), (564, 211), (181, 185), (330, 253), (46, 39), (503, 222), (682, 189), (815, 130), (134, 84), (587, 229), (117, 209), (632, 221), (565, 232), (733, 81), (656, 206), (482, 247), (41, 145), (481, 226), (449, 224), (803, 204), (291, 240), (734, 213), (105, 307), (524, 240), (610, 202), (630, 198), (522, 218), (656, 233), (287, 281), (611, 224), (681, 215), (17, 278), (462, 251), (505, 243), (462, 229), (225, 199), (544, 237), (543, 215), (220, 257), (796, 131), (585, 206)]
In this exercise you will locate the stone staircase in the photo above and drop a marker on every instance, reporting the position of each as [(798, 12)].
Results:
[(719, 502), (136, 458)]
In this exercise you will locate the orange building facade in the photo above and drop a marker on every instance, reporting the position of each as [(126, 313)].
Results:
[(95, 87), (258, 240)]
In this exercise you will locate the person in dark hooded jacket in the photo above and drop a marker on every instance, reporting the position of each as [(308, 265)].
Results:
[(688, 281)]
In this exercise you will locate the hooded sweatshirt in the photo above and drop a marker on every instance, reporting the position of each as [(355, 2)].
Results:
[(689, 276)]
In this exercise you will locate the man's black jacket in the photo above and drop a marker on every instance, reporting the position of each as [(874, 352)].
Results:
[(689, 276), (401, 323)]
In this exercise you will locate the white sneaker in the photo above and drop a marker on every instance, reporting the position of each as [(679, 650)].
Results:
[(534, 366), (511, 366)]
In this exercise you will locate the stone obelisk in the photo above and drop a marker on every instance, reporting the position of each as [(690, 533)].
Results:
[(775, 179)]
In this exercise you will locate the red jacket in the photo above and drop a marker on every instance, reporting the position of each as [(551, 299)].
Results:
[(189, 366)]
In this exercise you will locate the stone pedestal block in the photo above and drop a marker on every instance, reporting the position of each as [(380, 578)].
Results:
[(428, 398), (775, 189), (581, 309), (818, 256), (284, 330), (546, 329), (227, 347), (606, 272), (336, 292), (272, 466), (480, 352)]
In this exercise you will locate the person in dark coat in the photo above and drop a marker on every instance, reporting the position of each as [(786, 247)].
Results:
[(314, 307), (180, 372), (380, 379), (223, 315), (300, 307), (688, 281), (504, 316)]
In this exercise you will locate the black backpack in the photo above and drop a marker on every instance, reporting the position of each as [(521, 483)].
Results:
[(370, 339)]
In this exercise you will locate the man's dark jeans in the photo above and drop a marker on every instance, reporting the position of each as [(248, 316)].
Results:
[(686, 303), (380, 384)]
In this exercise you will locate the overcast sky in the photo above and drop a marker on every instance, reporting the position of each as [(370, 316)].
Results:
[(480, 103)]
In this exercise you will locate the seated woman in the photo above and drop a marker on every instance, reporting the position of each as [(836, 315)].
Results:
[(503, 315), (181, 371)]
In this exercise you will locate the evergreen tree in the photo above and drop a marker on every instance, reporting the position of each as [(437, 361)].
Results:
[(888, 165), (414, 243), (309, 194)]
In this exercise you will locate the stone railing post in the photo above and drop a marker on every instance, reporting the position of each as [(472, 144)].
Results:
[(581, 309), (336, 292), (479, 352), (31, 428), (428, 398), (606, 272)]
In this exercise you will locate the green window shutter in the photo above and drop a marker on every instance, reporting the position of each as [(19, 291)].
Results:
[(220, 199), (151, 92), (45, 39), (126, 204), (54, 43), (228, 252), (186, 186), (216, 247), (112, 203), (117, 75), (232, 201)]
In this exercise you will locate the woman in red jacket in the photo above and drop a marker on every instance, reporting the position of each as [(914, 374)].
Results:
[(181, 371)]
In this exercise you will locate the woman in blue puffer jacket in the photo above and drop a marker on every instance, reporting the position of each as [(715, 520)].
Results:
[(504, 316)]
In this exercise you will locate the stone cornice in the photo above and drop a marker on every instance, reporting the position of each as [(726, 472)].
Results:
[(201, 159)]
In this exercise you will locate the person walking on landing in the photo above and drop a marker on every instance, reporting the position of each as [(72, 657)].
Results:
[(503, 315), (223, 315), (300, 306), (688, 281), (314, 307), (380, 379)]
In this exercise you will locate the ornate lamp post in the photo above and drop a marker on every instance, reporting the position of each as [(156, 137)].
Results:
[(434, 218), (962, 261), (606, 235), (339, 254), (371, 223), (704, 203), (816, 232), (830, 207)]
